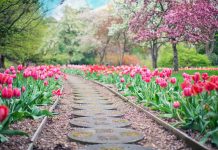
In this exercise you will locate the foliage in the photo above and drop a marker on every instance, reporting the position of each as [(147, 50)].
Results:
[(22, 27), (188, 57)]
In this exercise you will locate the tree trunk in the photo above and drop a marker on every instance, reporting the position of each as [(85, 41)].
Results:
[(2, 61), (209, 47), (124, 48), (104, 51), (154, 53), (175, 57)]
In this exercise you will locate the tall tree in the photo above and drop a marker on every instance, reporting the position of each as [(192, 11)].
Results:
[(17, 17)]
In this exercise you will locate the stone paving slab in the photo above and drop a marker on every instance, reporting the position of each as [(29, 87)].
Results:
[(99, 122), (105, 135), (93, 102), (93, 106), (105, 113), (89, 98), (116, 147)]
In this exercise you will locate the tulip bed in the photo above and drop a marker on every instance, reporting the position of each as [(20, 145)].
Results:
[(23, 91), (192, 102)]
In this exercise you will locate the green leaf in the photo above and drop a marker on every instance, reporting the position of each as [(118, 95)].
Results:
[(166, 115), (213, 134), (13, 132)]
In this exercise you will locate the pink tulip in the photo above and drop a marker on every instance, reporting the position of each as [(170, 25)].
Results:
[(12, 68), (176, 104), (7, 92), (16, 92), (187, 91), (173, 80), (19, 67), (163, 83), (122, 80), (10, 80)]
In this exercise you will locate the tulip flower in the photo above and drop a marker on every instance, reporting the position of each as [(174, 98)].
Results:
[(45, 83), (4, 112), (176, 104), (23, 89), (19, 67), (16, 92), (163, 83), (173, 80), (205, 76), (7, 92), (122, 80), (187, 91)]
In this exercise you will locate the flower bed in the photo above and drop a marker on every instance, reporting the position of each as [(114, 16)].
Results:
[(193, 103), (24, 90)]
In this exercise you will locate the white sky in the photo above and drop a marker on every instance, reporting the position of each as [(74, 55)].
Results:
[(58, 12)]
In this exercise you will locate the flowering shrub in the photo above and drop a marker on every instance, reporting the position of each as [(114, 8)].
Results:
[(193, 103), (22, 91)]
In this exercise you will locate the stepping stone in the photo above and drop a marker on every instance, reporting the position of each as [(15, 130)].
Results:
[(99, 122), (93, 106), (90, 98), (84, 92), (103, 113), (116, 147), (105, 135), (93, 102)]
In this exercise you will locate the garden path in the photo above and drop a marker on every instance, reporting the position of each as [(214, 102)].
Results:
[(90, 117)]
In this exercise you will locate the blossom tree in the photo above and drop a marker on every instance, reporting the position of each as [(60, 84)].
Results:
[(187, 20), (192, 21), (147, 22)]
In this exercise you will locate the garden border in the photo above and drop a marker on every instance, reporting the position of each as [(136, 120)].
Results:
[(191, 142), (42, 124)]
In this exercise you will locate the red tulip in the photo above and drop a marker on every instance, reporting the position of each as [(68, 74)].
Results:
[(4, 111), (16, 92), (176, 104), (12, 68), (196, 77), (23, 89), (209, 86), (197, 89), (147, 79), (205, 76), (122, 80), (19, 67), (10, 80), (7, 92), (163, 83), (185, 84), (57, 92), (45, 83), (187, 91), (173, 80)]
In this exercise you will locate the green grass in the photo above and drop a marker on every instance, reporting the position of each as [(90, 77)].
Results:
[(179, 77)]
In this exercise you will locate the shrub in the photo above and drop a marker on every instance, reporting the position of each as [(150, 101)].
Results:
[(188, 57)]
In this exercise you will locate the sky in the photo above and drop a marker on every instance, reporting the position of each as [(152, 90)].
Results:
[(56, 9)]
